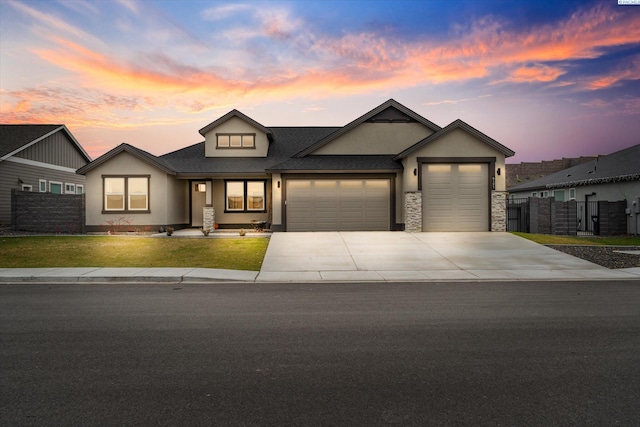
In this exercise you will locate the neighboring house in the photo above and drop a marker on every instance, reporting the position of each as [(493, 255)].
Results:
[(42, 158), (390, 169), (611, 178)]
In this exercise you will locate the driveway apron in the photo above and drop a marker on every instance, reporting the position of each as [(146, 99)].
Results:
[(418, 256)]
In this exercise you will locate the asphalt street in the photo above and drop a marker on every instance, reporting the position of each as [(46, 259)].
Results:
[(522, 353)]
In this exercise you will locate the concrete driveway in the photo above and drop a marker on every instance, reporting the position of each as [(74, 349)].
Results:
[(400, 256)]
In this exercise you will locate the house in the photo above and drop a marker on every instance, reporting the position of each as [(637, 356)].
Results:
[(40, 158), (389, 169), (614, 177)]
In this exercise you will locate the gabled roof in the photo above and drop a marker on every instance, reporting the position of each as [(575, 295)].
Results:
[(15, 138), (457, 124), (623, 165), (390, 104), (191, 161), (238, 114), (136, 152)]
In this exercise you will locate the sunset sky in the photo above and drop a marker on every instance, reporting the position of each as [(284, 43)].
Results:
[(547, 79)]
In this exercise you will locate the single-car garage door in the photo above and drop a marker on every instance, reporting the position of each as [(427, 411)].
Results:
[(338, 204), (455, 197)]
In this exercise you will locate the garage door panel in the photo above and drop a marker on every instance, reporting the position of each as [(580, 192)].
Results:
[(455, 197), (340, 205)]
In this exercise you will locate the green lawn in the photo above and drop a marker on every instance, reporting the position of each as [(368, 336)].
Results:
[(244, 253), (546, 239)]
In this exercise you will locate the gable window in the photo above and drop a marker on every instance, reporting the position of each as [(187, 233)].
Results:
[(245, 196), (55, 187), (126, 193), (236, 140)]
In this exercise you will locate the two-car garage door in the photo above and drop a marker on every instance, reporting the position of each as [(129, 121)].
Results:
[(455, 197), (338, 204)]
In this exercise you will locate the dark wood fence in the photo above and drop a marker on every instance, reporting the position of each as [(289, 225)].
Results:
[(548, 216)]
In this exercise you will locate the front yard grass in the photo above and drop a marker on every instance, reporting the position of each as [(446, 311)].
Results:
[(121, 251), (546, 239)]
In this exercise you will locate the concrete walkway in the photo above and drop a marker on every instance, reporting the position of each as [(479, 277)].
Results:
[(364, 256)]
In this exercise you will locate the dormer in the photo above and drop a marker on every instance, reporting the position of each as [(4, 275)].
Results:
[(236, 135)]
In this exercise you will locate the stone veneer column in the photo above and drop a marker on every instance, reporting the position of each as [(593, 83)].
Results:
[(413, 211), (498, 211), (208, 218)]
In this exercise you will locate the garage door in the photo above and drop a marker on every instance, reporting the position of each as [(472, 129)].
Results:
[(338, 204), (455, 197)]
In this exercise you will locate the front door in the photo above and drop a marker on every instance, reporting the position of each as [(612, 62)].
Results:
[(198, 201)]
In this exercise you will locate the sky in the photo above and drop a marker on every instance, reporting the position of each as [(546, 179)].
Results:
[(548, 79)]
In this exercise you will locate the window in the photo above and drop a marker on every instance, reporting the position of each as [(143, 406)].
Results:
[(236, 140), (534, 194), (572, 194), (27, 187), (55, 187), (79, 189), (70, 189), (245, 196), (255, 196), (558, 195), (43, 185), (126, 193), (138, 194)]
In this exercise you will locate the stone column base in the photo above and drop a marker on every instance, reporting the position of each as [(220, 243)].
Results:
[(498, 211), (208, 218), (413, 211)]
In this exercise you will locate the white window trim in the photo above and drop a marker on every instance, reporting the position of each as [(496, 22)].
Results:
[(40, 185), (80, 187), (68, 185), (27, 187), (572, 190), (57, 183)]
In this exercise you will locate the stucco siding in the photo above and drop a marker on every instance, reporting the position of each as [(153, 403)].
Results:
[(236, 125), (56, 149), (11, 172), (177, 201), (376, 138), (126, 164)]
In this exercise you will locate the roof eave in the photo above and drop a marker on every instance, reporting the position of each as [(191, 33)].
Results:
[(119, 149), (457, 124), (241, 116)]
